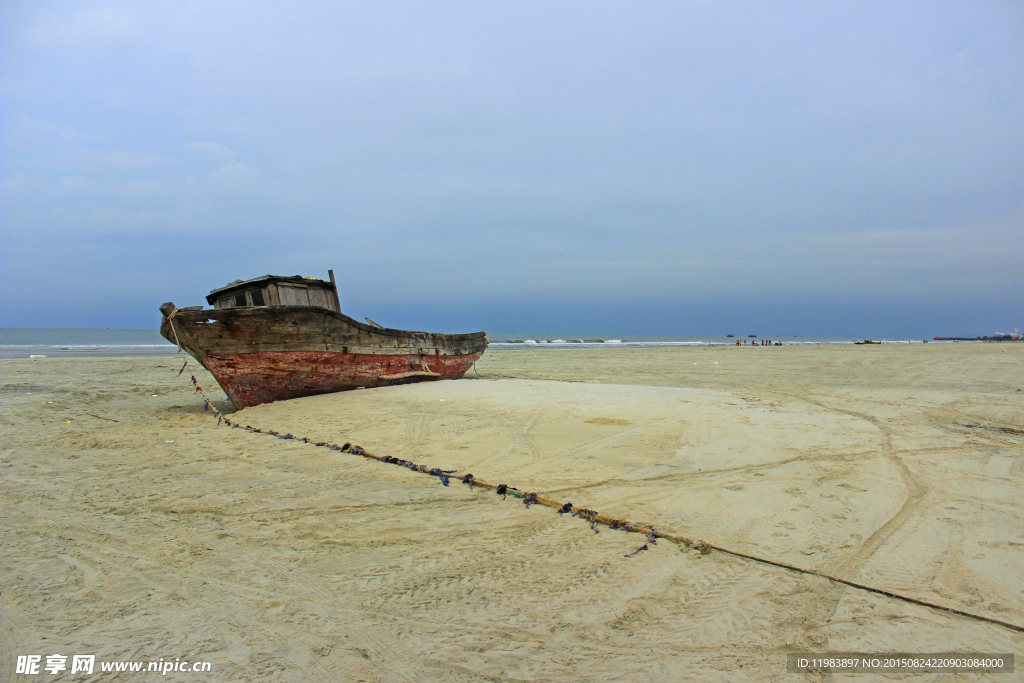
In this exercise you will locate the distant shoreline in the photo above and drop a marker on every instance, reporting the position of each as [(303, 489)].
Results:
[(93, 343), (995, 338)]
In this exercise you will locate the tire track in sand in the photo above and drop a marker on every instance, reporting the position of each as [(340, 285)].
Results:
[(823, 604)]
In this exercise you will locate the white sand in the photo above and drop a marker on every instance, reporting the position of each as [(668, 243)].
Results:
[(161, 535)]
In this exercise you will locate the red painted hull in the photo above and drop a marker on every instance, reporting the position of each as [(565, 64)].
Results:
[(261, 354), (250, 379)]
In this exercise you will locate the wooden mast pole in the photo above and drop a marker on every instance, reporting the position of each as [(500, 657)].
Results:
[(334, 284)]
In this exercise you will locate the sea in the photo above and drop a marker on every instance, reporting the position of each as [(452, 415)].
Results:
[(48, 342)]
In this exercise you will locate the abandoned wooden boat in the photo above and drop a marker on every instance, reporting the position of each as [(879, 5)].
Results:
[(272, 338)]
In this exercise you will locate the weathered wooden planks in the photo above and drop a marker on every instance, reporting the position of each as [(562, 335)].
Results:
[(274, 290), (275, 352)]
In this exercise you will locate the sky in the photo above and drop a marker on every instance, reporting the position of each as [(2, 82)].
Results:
[(677, 168)]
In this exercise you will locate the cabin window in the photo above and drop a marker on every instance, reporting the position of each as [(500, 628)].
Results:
[(240, 300), (257, 297)]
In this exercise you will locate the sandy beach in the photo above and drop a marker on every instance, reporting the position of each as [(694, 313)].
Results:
[(135, 528)]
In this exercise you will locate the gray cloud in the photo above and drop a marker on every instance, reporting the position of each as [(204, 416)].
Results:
[(503, 158)]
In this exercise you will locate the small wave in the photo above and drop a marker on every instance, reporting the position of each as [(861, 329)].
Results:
[(83, 346), (619, 343)]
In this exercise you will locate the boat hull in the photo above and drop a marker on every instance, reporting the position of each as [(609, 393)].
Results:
[(250, 379), (273, 353)]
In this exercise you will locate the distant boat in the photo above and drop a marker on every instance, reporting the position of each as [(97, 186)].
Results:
[(753, 336), (728, 335), (274, 337)]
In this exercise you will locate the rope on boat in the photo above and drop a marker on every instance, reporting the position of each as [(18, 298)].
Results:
[(590, 516), (186, 366)]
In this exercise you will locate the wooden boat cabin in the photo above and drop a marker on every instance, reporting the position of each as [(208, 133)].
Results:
[(277, 290)]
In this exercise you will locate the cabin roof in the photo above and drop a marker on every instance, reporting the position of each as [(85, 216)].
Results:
[(262, 280)]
